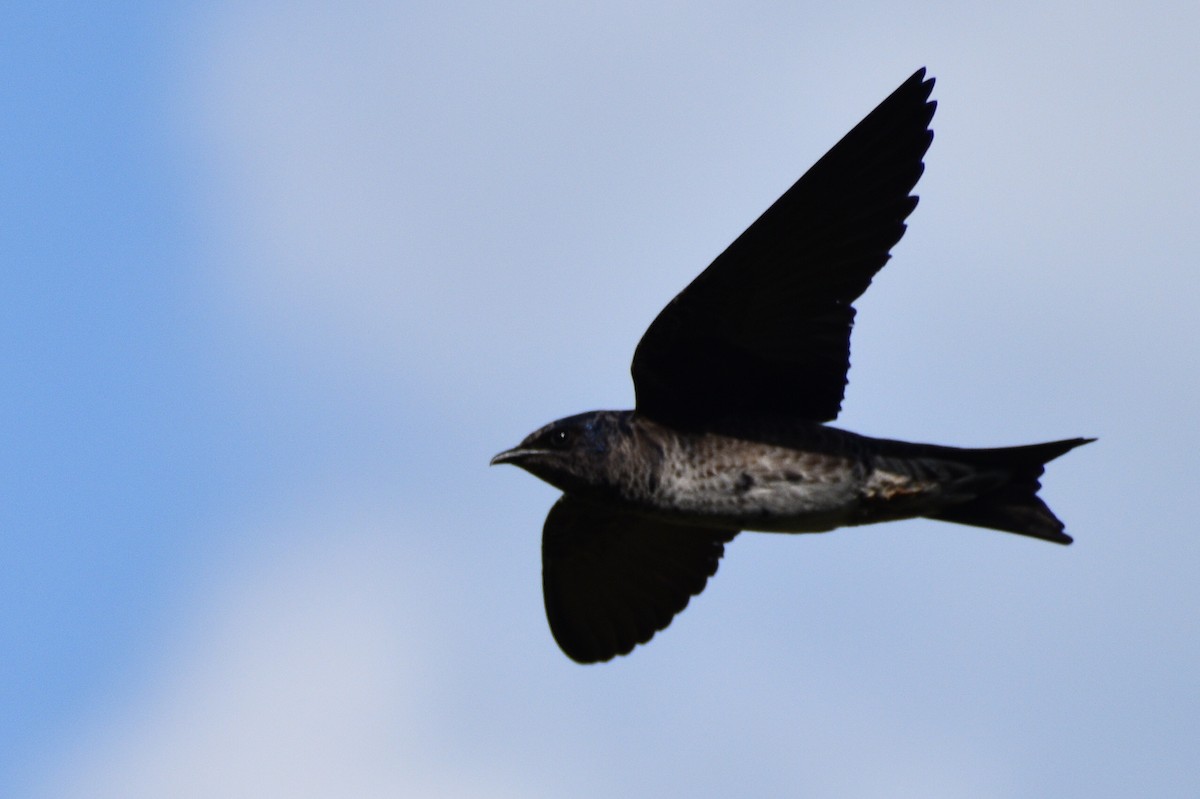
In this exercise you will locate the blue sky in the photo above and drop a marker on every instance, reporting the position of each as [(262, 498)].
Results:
[(280, 278)]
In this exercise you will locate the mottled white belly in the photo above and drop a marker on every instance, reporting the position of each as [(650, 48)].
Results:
[(792, 493)]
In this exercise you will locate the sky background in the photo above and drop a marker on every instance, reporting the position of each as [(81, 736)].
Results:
[(279, 278)]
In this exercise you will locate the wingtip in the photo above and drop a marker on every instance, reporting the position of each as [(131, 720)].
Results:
[(920, 84)]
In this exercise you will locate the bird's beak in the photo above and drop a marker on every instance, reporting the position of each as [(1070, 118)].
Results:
[(514, 455)]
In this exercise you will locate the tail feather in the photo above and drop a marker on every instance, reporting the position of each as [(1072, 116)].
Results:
[(1013, 506)]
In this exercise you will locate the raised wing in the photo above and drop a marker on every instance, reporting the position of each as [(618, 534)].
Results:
[(765, 329), (612, 580)]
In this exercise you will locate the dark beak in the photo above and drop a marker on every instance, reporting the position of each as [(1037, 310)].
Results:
[(514, 455)]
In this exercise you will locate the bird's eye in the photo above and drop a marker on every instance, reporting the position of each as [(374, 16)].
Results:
[(560, 439)]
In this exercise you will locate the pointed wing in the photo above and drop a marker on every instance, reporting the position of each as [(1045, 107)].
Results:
[(766, 328), (612, 580)]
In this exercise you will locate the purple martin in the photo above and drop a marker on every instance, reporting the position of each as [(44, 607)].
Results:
[(734, 381)]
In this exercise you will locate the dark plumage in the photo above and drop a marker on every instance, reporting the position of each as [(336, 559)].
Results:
[(734, 380)]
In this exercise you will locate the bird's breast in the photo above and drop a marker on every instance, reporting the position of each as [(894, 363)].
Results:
[(753, 486)]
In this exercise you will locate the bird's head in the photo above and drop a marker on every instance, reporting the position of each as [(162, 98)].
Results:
[(572, 453)]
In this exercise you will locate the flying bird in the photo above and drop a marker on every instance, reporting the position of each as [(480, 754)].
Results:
[(734, 382)]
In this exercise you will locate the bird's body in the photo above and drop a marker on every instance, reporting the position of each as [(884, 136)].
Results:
[(722, 480), (782, 475), (804, 481), (735, 381)]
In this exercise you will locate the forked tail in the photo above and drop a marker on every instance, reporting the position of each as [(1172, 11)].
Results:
[(1013, 506)]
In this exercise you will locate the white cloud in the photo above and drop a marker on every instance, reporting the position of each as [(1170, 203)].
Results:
[(311, 673)]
